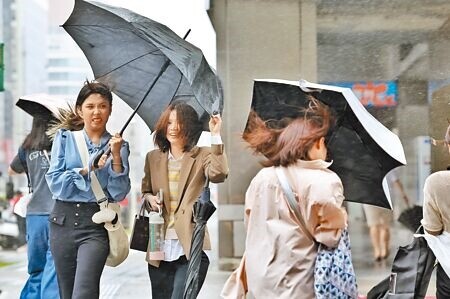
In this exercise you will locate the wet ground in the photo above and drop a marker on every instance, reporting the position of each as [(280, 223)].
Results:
[(130, 280)]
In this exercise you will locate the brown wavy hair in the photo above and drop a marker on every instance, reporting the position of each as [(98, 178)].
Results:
[(188, 121), (285, 141)]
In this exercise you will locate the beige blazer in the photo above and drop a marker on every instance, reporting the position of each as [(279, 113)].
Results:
[(195, 165)]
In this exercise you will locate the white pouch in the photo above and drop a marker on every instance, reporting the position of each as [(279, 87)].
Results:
[(20, 208), (440, 245)]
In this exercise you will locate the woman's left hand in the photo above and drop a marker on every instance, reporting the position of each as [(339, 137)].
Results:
[(215, 123), (115, 143)]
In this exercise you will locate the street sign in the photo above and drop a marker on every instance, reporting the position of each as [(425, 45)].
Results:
[(378, 94)]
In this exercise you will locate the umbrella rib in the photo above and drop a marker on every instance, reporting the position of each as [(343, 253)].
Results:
[(338, 124), (161, 71), (203, 106), (135, 31), (118, 28), (359, 137), (176, 89), (128, 62), (92, 25)]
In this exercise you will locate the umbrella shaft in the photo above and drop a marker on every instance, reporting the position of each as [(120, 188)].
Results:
[(187, 33), (161, 71)]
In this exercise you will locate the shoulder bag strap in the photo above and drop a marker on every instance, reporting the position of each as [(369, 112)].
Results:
[(291, 199), (23, 160), (30, 188), (84, 154)]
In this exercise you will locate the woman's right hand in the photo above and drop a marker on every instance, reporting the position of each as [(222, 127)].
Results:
[(152, 202), (215, 124)]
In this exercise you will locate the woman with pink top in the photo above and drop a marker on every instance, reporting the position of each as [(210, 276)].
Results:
[(280, 255)]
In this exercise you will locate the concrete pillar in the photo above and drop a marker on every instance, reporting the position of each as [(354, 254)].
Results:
[(439, 94), (308, 40), (439, 113), (256, 39), (412, 121)]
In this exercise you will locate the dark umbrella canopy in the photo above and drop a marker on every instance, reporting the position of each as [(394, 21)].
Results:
[(362, 149), (203, 210), (127, 52), (411, 218), (43, 105)]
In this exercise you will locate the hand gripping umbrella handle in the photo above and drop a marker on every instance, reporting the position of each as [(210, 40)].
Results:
[(99, 155)]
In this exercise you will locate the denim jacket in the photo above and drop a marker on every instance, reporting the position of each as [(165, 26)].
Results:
[(64, 178)]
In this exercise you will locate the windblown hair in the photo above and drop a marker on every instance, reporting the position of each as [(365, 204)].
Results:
[(69, 118), (37, 139), (285, 141), (190, 126)]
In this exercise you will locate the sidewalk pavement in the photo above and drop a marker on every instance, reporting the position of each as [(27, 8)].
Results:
[(369, 272), (130, 280)]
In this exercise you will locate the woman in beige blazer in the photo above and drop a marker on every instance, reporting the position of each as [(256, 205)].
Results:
[(180, 169), (279, 256)]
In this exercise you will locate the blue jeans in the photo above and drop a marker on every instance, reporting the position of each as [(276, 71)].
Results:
[(42, 282)]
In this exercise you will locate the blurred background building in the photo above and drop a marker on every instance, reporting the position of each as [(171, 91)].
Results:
[(24, 36), (372, 46)]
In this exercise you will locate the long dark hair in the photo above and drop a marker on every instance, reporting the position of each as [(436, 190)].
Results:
[(189, 124), (37, 139), (70, 120), (285, 141)]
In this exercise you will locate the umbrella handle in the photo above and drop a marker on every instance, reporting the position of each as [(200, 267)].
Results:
[(99, 155)]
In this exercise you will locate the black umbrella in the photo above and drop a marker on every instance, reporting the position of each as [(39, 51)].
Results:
[(362, 149), (144, 62), (411, 217), (203, 209), (148, 66)]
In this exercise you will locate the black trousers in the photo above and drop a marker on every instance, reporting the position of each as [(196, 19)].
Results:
[(79, 248), (442, 283), (168, 279)]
